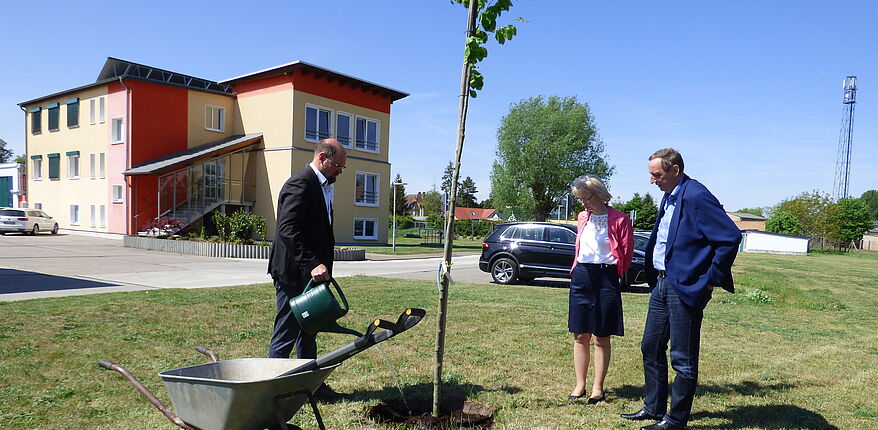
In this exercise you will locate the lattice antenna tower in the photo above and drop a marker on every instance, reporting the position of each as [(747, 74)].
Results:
[(843, 158)]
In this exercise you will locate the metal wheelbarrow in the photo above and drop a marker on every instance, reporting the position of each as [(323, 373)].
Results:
[(256, 393)]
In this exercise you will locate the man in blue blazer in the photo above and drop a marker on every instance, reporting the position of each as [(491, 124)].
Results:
[(691, 251)]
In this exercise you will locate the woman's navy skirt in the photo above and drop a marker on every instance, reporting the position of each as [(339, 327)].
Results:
[(595, 301)]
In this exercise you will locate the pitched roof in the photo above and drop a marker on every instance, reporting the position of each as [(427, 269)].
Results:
[(473, 213)]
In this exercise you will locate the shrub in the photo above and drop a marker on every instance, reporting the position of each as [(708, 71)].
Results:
[(238, 227), (402, 222), (163, 226)]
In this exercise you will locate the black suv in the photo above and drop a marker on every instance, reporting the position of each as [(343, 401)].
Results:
[(523, 251)]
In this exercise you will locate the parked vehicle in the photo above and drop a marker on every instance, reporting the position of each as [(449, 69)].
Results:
[(522, 251), (26, 221)]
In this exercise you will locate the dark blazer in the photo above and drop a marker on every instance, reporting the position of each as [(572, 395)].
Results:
[(303, 237), (702, 245)]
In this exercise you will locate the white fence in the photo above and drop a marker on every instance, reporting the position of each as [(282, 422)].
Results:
[(223, 250)]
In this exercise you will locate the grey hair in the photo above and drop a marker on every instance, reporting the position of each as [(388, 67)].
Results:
[(669, 157), (326, 147), (590, 184)]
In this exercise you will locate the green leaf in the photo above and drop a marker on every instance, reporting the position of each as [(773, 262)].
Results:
[(473, 93), (489, 21), (481, 36), (520, 19)]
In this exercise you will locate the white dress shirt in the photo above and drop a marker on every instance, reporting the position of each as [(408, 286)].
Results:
[(327, 191), (661, 236)]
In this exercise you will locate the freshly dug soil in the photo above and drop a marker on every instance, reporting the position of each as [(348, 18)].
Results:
[(462, 415)]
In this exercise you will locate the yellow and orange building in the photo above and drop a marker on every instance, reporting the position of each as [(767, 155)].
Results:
[(143, 143)]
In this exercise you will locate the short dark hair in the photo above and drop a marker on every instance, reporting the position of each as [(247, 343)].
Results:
[(669, 157), (327, 148)]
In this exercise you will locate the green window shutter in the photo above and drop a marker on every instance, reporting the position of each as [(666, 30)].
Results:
[(69, 153), (54, 116), (54, 166), (36, 157), (73, 112), (36, 120)]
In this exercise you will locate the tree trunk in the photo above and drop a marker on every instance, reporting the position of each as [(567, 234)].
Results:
[(441, 314)]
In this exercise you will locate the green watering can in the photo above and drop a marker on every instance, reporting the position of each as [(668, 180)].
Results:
[(317, 309)]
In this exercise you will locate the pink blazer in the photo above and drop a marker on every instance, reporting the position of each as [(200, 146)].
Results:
[(621, 238)]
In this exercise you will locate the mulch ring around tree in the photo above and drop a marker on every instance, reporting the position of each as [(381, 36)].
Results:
[(457, 414)]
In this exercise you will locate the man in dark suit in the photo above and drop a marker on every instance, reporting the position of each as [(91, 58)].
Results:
[(691, 250), (303, 244)]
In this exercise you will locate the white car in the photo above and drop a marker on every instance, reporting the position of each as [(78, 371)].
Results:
[(26, 221)]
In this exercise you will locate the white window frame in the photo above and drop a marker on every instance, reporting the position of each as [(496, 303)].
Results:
[(352, 120), (121, 130), (118, 193), (91, 111), (365, 147), (374, 228), (330, 124), (91, 164), (38, 169), (365, 181), (209, 111), (73, 166), (103, 213), (101, 165), (74, 214), (101, 110), (93, 216)]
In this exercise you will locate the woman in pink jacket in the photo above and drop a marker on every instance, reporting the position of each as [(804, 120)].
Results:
[(604, 247)]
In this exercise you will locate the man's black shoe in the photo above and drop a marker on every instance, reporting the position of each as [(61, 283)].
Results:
[(663, 425), (324, 392), (641, 415)]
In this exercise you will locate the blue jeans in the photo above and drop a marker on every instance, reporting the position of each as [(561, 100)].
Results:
[(669, 319)]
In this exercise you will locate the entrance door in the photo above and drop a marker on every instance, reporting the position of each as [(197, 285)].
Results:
[(214, 175), (6, 191)]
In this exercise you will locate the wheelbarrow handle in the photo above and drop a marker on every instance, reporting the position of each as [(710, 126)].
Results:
[(207, 352), (109, 365)]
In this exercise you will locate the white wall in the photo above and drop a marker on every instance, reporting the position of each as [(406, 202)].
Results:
[(14, 170), (756, 241)]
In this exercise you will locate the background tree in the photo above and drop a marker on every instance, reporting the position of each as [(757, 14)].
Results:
[(432, 202), (870, 198), (543, 143), (751, 211), (5, 153), (646, 210), (784, 223), (447, 176), (487, 204), (400, 196), (853, 220), (467, 196), (817, 214)]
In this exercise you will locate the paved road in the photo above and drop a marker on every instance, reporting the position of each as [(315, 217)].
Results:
[(74, 264)]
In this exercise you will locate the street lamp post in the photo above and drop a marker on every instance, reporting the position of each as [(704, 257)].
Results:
[(394, 185)]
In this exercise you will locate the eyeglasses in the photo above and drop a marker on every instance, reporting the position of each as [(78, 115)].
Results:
[(337, 166)]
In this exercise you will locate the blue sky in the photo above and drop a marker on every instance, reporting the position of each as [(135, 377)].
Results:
[(748, 91)]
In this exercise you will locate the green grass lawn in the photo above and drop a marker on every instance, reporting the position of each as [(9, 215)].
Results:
[(796, 348), (410, 245)]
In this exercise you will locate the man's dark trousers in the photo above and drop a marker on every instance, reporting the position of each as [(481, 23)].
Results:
[(287, 332), (670, 319)]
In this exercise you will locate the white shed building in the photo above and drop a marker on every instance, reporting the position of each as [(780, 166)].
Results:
[(11, 193), (774, 243)]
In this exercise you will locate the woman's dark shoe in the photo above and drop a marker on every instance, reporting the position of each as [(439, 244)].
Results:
[(641, 415), (573, 398), (596, 400)]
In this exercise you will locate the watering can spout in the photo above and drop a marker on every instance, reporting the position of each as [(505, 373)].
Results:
[(317, 309)]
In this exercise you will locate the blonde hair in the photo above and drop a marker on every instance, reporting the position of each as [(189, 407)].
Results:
[(590, 184)]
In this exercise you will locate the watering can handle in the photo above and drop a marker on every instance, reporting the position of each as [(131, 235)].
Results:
[(311, 284)]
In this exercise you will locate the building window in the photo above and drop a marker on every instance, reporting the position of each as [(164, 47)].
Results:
[(103, 213), (54, 116), (365, 228), (366, 192), (101, 165), (73, 164), (213, 118), (92, 165), (318, 123), (38, 167), (36, 120), (93, 215), (72, 112), (38, 206), (118, 130), (117, 194), (91, 111), (367, 134), (74, 214), (343, 125), (54, 166), (101, 110)]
